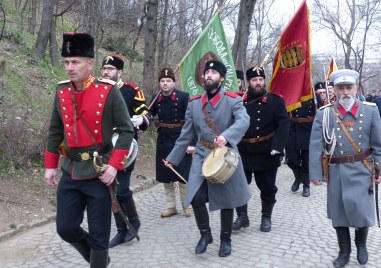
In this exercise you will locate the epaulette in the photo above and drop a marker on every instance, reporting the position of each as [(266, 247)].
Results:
[(325, 106), (63, 82), (108, 81), (195, 98), (277, 94), (231, 94), (369, 103), (132, 85)]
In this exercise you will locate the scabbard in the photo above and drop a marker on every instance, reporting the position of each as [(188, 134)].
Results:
[(119, 210), (377, 206)]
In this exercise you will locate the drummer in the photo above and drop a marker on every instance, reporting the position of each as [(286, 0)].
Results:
[(112, 68), (262, 146), (219, 119)]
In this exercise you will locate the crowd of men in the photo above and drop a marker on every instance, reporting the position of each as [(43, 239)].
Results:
[(333, 137)]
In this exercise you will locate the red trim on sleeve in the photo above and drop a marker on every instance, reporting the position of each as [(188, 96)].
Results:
[(118, 157), (51, 159)]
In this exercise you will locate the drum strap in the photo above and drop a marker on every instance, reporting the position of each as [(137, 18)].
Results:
[(210, 122)]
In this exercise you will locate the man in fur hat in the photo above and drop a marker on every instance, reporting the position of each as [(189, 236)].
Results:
[(112, 68), (170, 106), (85, 111)]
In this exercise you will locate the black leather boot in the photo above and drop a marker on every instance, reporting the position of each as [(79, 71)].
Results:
[(83, 248), (202, 220), (242, 220), (344, 241), (121, 231), (226, 232), (99, 259), (298, 179), (361, 234), (133, 218), (306, 184), (267, 209)]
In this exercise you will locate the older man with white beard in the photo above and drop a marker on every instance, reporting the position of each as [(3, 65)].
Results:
[(348, 133)]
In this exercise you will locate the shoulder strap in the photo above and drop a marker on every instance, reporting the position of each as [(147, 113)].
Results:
[(210, 122)]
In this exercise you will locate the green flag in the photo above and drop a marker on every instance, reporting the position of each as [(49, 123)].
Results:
[(210, 45)]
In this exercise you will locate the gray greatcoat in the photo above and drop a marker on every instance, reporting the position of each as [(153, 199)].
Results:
[(349, 202), (230, 117)]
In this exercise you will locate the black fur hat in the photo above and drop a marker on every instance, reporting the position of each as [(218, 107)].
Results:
[(215, 65), (255, 72), (114, 60), (77, 45)]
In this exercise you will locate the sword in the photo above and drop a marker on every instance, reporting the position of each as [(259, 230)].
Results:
[(115, 206)]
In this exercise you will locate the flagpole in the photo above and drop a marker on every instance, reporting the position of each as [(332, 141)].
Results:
[(263, 63), (326, 87)]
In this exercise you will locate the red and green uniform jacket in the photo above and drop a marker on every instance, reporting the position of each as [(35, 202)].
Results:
[(102, 108)]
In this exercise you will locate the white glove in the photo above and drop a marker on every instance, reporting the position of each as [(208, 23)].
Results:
[(137, 120), (274, 152)]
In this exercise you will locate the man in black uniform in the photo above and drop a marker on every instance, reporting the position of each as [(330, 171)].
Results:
[(241, 82), (262, 146), (297, 147), (112, 68), (170, 107)]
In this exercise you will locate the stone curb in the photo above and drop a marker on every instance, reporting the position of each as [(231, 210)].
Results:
[(143, 185)]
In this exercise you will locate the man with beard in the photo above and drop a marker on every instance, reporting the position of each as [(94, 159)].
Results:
[(241, 84), (262, 146), (112, 68), (331, 93), (170, 107), (217, 118), (348, 133)]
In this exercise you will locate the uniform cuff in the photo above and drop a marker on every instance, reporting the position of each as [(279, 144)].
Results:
[(118, 158), (51, 159)]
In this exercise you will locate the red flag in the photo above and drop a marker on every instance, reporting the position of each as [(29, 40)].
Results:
[(292, 65), (332, 67)]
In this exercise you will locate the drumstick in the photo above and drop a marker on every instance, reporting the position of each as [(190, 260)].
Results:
[(174, 171)]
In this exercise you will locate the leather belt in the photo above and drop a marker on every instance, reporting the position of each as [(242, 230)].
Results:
[(302, 119), (259, 139), (350, 158), (207, 144), (176, 125), (88, 155)]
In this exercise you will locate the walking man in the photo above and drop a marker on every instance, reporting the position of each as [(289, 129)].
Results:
[(348, 134), (85, 111), (217, 118)]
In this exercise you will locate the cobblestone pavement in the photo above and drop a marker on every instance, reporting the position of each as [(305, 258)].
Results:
[(301, 236)]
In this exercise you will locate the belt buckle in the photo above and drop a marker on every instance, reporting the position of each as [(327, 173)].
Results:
[(85, 156), (351, 158)]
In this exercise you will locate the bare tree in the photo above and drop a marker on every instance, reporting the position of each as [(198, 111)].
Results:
[(45, 28), (351, 22), (163, 25), (150, 44), (241, 39), (32, 19)]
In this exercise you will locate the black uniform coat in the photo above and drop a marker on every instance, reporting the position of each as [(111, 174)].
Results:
[(299, 134), (170, 110), (267, 114)]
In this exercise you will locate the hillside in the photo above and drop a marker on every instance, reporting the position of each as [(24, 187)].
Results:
[(26, 94)]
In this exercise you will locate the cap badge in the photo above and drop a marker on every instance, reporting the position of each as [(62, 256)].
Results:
[(68, 45), (108, 58), (166, 71), (345, 78), (211, 64)]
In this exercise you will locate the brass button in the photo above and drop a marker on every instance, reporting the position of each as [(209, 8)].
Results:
[(98, 113), (96, 131)]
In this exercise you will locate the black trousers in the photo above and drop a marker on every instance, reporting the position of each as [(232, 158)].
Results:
[(265, 180), (201, 197), (297, 159), (73, 197), (123, 191)]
